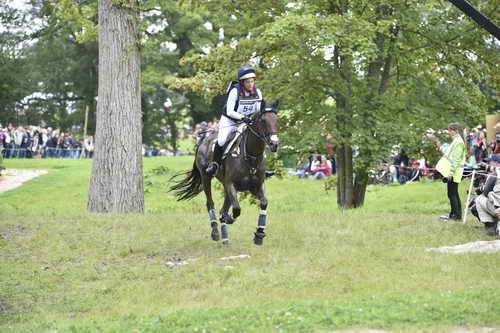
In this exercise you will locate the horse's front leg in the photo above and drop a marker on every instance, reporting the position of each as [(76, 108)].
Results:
[(224, 212), (233, 196), (261, 224)]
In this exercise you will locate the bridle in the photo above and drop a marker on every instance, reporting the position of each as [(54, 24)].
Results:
[(266, 137)]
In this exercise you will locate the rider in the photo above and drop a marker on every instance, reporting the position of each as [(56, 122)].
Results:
[(243, 100)]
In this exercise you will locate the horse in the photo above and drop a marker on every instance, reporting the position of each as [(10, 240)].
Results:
[(242, 170)]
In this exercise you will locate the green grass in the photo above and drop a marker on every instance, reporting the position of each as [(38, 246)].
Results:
[(63, 269)]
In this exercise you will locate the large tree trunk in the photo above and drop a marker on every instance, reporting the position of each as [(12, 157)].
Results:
[(174, 134), (360, 184), (345, 190), (344, 123), (116, 183)]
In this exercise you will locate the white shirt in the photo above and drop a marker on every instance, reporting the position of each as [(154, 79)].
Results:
[(232, 99)]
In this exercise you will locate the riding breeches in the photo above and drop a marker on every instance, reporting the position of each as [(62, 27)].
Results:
[(226, 127)]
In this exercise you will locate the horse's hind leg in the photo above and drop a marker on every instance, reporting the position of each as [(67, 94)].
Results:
[(225, 218), (261, 224), (207, 187)]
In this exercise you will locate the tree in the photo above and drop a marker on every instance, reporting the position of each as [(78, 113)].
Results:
[(364, 71), (16, 83), (173, 30), (117, 173), (50, 74)]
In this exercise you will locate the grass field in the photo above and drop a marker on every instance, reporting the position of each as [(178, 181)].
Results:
[(63, 269)]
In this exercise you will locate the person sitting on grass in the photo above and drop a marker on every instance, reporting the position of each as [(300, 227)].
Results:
[(323, 170), (488, 204), (302, 169)]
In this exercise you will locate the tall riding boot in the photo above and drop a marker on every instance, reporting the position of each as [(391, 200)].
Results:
[(216, 162)]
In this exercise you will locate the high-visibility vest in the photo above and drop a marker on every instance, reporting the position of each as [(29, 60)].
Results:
[(444, 165)]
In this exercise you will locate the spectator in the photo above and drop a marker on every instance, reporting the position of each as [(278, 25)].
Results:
[(488, 204), (322, 168), (495, 146), (53, 138), (2, 139), (451, 167), (88, 145), (18, 136), (302, 169)]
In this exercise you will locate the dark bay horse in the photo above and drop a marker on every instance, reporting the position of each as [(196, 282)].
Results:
[(243, 169)]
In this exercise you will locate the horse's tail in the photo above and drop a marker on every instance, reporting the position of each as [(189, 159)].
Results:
[(190, 186)]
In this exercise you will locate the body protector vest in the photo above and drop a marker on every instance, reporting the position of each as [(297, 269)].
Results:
[(245, 104)]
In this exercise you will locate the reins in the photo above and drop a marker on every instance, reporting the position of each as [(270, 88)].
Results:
[(254, 160), (263, 138)]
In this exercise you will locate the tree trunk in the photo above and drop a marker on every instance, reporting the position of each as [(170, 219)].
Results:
[(345, 188), (116, 183), (360, 184), (174, 134)]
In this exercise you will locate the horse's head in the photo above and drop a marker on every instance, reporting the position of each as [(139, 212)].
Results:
[(267, 124)]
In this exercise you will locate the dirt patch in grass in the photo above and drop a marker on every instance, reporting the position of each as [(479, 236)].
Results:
[(10, 232), (8, 235), (4, 307), (13, 178), (480, 246)]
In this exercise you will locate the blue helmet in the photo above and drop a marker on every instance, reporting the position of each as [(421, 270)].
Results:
[(246, 72)]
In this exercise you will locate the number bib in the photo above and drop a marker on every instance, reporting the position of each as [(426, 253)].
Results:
[(248, 105)]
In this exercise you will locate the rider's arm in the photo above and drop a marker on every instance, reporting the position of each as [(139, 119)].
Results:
[(231, 103), (259, 105)]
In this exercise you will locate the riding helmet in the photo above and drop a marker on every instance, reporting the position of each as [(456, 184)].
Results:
[(246, 72)]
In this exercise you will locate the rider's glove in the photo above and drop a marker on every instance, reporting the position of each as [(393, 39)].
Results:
[(445, 179), (247, 120)]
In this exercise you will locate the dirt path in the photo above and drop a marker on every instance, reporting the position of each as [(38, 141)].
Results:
[(479, 246), (13, 178)]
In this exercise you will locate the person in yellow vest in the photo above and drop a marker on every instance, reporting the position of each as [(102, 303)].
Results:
[(451, 167)]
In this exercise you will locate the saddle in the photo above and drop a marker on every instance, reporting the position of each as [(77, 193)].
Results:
[(232, 145)]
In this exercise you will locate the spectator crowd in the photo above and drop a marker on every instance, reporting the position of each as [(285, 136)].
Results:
[(35, 141), (398, 167)]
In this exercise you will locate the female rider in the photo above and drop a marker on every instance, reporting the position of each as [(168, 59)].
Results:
[(243, 100)]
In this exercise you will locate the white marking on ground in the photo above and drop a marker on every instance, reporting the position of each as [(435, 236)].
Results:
[(241, 256), (179, 263), (480, 246)]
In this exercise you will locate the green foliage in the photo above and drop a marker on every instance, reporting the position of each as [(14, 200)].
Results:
[(373, 74), (14, 66), (330, 184), (275, 164), (80, 16), (370, 74), (53, 78), (150, 179)]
